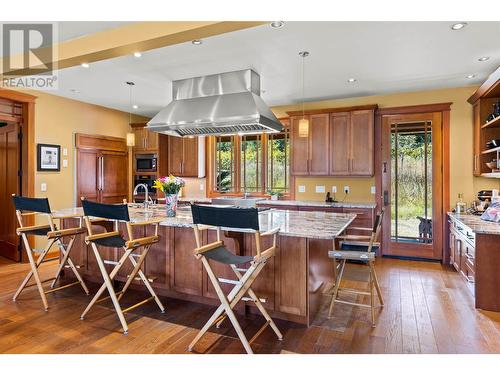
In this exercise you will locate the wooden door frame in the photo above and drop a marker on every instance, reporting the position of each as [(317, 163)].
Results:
[(28, 150), (444, 110)]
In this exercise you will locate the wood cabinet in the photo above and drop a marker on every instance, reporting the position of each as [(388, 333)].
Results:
[(310, 154), (145, 140), (340, 143), (183, 156), (462, 251), (102, 168)]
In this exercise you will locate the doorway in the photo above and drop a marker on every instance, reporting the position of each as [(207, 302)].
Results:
[(412, 184), (10, 176)]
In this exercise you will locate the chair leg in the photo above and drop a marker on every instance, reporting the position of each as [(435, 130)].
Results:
[(336, 289), (66, 259), (372, 297), (34, 270), (377, 286)]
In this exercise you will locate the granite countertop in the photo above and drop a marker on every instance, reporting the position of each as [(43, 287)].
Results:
[(320, 225), (475, 223), (317, 204)]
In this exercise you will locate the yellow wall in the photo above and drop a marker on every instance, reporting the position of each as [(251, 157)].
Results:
[(461, 152), (57, 119)]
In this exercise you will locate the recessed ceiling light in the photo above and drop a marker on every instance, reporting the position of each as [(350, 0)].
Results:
[(85, 65), (197, 42), (137, 54), (135, 106), (277, 24), (484, 58), (351, 80), (470, 76), (458, 25)]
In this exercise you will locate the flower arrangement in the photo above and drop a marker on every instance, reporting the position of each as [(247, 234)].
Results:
[(169, 185)]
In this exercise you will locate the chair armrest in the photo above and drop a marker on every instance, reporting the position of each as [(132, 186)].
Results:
[(102, 235), (65, 232), (148, 222), (32, 227), (141, 242), (270, 232), (360, 243), (360, 228), (208, 247)]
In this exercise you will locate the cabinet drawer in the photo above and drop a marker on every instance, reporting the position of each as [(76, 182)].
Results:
[(364, 216)]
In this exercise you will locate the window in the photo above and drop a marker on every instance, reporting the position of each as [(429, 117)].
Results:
[(224, 164), (251, 163), (278, 162)]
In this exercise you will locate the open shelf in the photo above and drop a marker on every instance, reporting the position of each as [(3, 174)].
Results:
[(495, 123), (491, 175)]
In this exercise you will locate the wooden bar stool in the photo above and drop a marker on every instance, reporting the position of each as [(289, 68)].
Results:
[(40, 206), (109, 212), (359, 249), (238, 220)]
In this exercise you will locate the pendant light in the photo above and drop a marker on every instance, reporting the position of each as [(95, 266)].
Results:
[(130, 136), (303, 123)]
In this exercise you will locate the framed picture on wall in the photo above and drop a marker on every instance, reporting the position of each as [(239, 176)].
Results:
[(48, 158)]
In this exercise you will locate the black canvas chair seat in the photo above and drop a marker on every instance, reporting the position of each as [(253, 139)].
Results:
[(223, 255), (114, 241)]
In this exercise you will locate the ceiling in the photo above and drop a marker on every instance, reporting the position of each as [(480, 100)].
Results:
[(383, 57)]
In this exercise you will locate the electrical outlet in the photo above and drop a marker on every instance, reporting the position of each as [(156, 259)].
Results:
[(320, 189), (302, 188), (65, 163), (334, 189), (43, 186), (346, 189), (202, 187), (373, 190)]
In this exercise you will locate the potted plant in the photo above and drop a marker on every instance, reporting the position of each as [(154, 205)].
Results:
[(275, 195), (170, 186)]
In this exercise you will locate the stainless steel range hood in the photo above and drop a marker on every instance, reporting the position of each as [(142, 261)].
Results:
[(218, 104)]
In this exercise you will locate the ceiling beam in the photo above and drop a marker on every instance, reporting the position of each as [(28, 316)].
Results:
[(138, 37)]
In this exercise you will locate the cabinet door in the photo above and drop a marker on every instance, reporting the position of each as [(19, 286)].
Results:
[(140, 138), (362, 143), (151, 140), (452, 247), (339, 143), (458, 253), (299, 149), (175, 155), (186, 271), (87, 174), (319, 131), (190, 157), (477, 140), (113, 174)]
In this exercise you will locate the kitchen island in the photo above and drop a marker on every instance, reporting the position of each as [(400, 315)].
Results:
[(474, 247), (291, 284)]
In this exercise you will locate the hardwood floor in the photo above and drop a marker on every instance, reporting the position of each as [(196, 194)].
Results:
[(428, 309)]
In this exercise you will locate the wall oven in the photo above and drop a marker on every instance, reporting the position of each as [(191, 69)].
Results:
[(146, 162)]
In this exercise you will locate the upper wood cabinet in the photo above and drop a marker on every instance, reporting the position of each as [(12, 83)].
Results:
[(310, 154), (340, 143), (145, 140), (183, 156)]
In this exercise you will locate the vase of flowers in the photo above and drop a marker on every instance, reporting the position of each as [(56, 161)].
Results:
[(170, 186)]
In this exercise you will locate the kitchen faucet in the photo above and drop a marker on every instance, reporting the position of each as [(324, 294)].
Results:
[(147, 198)]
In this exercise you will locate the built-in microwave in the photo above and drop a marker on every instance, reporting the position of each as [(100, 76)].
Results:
[(146, 162)]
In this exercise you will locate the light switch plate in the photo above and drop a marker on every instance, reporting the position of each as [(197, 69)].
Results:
[(334, 189), (65, 163), (43, 186), (320, 188), (302, 188), (346, 189), (373, 190), (202, 187), (65, 151)]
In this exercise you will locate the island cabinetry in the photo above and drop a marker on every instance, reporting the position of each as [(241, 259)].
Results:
[(186, 270)]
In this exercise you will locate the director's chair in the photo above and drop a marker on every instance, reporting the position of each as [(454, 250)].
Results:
[(40, 206), (233, 219), (93, 212)]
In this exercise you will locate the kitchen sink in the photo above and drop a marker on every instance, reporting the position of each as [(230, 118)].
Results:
[(237, 201)]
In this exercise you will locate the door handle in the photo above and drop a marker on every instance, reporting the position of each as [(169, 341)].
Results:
[(386, 197), (384, 167), (102, 173)]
